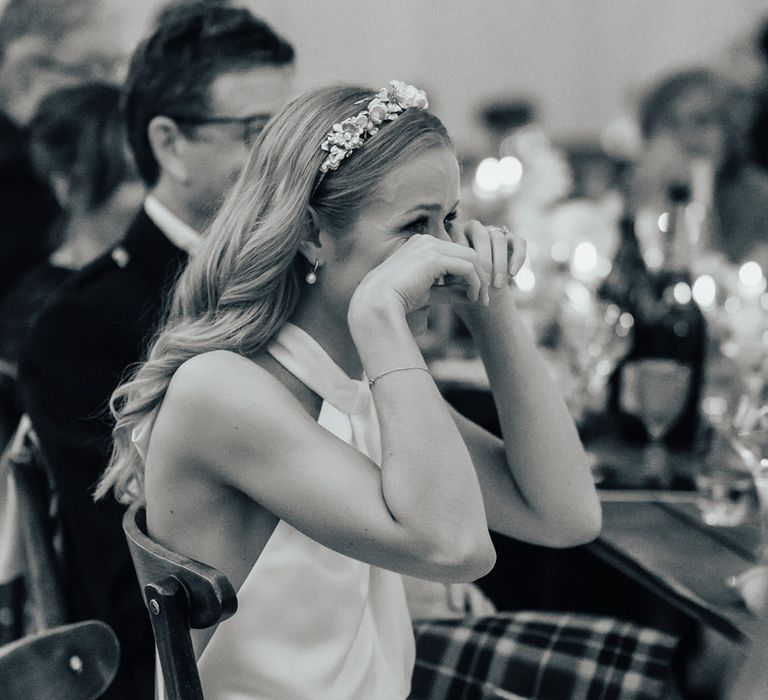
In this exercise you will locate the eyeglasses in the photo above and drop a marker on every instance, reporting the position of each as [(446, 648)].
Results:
[(252, 124)]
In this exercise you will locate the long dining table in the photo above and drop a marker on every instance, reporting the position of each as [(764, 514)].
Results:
[(654, 538)]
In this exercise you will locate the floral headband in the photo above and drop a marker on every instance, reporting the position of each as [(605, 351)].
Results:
[(350, 134)]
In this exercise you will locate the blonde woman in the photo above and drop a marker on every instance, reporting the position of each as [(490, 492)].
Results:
[(285, 428)]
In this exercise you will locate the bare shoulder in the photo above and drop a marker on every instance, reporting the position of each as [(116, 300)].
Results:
[(208, 370), (223, 381), (221, 398)]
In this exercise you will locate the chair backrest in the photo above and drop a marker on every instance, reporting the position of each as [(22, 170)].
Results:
[(35, 527), (180, 593), (71, 662)]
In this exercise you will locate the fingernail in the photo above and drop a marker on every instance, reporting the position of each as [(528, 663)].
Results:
[(498, 280)]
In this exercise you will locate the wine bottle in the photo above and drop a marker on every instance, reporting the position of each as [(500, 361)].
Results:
[(668, 322)]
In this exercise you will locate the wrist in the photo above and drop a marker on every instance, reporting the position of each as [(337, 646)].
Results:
[(366, 312), (382, 336), (477, 317), (372, 318)]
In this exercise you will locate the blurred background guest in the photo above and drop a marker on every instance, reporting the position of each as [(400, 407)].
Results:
[(40, 50), (759, 129), (77, 146), (695, 128)]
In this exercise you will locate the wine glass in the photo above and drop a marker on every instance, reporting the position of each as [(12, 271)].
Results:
[(750, 441), (724, 484), (597, 335), (752, 445), (655, 390)]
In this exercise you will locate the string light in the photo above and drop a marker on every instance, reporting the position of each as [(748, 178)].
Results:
[(751, 275), (682, 293), (705, 291), (525, 279)]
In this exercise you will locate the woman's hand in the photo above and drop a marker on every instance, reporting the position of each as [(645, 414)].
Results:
[(424, 270), (501, 254)]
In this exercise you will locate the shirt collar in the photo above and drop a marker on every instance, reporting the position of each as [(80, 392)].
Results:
[(178, 232)]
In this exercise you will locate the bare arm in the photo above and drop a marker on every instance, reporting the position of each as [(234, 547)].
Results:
[(428, 480), (537, 484)]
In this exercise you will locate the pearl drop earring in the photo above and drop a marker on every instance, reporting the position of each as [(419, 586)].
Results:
[(312, 274)]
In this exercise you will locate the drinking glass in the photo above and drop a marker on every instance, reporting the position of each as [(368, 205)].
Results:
[(724, 484), (597, 335), (655, 390), (725, 488), (752, 445), (752, 584)]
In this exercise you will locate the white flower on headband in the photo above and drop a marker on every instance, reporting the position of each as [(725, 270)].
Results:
[(350, 134)]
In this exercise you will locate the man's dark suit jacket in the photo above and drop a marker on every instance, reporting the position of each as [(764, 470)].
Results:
[(28, 206), (95, 328)]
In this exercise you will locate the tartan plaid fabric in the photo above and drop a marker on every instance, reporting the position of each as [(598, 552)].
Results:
[(541, 656)]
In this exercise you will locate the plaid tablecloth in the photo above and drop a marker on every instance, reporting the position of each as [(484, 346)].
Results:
[(542, 656)]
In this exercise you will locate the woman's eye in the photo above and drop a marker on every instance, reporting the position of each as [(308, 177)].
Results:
[(418, 225), (449, 220)]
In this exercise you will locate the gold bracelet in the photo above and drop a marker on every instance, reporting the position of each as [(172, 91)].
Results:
[(371, 382)]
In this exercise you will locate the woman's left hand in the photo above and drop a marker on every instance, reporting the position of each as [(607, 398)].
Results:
[(501, 252)]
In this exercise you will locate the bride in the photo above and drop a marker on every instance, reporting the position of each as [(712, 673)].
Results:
[(285, 427)]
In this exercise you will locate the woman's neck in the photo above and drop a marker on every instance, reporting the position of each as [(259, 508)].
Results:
[(331, 332)]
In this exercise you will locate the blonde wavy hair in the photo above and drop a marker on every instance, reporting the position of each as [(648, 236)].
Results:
[(242, 286)]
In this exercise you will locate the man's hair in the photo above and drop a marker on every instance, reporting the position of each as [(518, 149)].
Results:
[(172, 70)]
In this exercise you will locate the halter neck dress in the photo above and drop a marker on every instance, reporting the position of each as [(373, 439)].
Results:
[(313, 623)]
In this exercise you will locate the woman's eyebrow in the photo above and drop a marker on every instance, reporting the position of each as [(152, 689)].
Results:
[(427, 207)]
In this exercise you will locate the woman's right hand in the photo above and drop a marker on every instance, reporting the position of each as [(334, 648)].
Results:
[(423, 270)]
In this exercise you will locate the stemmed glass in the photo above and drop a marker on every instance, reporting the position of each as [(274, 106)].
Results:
[(597, 334), (752, 445), (655, 390), (724, 484)]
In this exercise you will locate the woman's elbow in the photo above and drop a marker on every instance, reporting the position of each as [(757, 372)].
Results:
[(582, 529), (462, 559)]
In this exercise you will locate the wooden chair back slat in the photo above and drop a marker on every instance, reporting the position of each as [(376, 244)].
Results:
[(169, 612), (211, 596), (180, 593), (43, 579)]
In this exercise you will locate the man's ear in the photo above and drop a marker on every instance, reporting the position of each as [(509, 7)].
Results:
[(167, 144)]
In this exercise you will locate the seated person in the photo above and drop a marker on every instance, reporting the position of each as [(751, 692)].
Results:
[(693, 134), (286, 430), (42, 48), (77, 146)]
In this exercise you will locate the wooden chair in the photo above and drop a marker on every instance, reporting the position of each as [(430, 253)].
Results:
[(180, 593), (31, 528), (71, 662)]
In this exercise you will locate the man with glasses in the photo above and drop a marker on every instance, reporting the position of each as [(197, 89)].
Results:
[(198, 91)]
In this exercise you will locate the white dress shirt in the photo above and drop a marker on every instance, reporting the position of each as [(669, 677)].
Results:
[(178, 232)]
